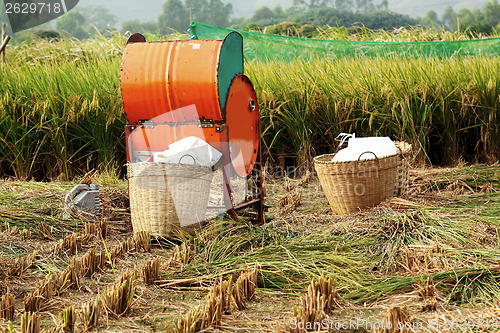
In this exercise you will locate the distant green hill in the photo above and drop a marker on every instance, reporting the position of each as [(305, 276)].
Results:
[(419, 8), (127, 10)]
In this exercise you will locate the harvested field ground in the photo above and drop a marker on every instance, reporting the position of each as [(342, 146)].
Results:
[(435, 252)]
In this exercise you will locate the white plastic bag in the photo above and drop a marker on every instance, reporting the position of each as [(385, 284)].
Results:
[(365, 149), (190, 150)]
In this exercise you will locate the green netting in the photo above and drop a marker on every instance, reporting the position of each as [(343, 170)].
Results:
[(273, 47)]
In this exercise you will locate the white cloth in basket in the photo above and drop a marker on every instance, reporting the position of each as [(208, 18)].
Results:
[(365, 149), (190, 150)]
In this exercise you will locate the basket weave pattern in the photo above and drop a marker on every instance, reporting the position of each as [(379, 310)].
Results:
[(351, 185), (165, 197), (403, 178)]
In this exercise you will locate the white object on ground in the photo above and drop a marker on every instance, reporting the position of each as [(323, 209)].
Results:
[(366, 149), (190, 150), (82, 199)]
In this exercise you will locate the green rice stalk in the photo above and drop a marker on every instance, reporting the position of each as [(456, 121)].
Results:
[(67, 320), (409, 99), (30, 323), (460, 286), (110, 260), (9, 329)]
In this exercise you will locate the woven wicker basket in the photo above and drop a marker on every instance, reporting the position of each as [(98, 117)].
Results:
[(349, 186), (165, 197), (402, 183)]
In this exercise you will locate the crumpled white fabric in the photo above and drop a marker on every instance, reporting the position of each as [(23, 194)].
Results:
[(366, 149), (190, 150)]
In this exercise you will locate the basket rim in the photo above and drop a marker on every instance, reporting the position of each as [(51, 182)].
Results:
[(316, 159), (161, 164)]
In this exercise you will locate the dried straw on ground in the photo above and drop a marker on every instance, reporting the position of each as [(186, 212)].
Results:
[(244, 288), (72, 242), (427, 291), (321, 299), (44, 231), (92, 262), (30, 323), (291, 199), (90, 315), (7, 306), (18, 266), (118, 298), (67, 320), (140, 241), (219, 300), (151, 270), (192, 322), (37, 298), (396, 321)]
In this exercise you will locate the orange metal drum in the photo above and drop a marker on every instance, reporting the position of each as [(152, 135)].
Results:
[(242, 118), (164, 76)]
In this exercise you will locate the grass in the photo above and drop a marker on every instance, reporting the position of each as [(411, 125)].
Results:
[(375, 258), (445, 108), (67, 111), (26, 205), (364, 34), (62, 115), (374, 242), (61, 111)]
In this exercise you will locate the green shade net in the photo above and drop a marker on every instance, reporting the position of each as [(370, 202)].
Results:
[(258, 46)]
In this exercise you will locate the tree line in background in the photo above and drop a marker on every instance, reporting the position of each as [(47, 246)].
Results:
[(476, 21), (304, 16)]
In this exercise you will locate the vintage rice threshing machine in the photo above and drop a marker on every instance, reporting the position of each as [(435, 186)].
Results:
[(183, 89)]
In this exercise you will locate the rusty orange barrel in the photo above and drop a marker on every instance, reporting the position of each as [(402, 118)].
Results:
[(160, 77), (240, 130)]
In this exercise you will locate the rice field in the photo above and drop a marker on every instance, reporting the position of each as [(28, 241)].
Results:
[(428, 261), (430, 257), (61, 112), (445, 108)]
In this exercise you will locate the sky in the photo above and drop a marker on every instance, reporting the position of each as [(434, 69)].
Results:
[(148, 11), (130, 9)]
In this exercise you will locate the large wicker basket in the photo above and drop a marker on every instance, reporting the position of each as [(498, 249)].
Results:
[(165, 197), (402, 183), (349, 186)]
